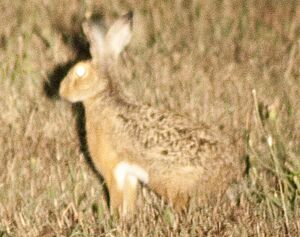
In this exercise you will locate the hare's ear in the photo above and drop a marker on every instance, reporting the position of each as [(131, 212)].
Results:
[(95, 32), (119, 35)]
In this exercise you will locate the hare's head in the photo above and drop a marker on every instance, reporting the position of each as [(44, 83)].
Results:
[(89, 78)]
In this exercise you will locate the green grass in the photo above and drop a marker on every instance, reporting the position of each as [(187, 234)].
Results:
[(230, 63)]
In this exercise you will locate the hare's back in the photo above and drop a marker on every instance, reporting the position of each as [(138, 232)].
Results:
[(165, 137)]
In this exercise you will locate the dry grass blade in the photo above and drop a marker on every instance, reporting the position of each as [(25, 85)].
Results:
[(198, 58)]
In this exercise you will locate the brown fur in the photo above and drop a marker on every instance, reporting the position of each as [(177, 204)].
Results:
[(184, 160)]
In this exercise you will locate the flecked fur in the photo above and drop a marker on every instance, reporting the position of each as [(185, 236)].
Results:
[(184, 160)]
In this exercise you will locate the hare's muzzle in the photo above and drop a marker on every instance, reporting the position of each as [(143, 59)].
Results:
[(62, 89), (65, 90)]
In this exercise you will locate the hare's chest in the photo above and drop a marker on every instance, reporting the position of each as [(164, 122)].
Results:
[(100, 145)]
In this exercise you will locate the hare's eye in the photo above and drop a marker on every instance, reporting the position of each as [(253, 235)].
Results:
[(80, 71)]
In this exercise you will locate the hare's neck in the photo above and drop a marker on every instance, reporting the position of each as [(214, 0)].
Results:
[(106, 100)]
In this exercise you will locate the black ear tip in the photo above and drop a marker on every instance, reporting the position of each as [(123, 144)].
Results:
[(129, 15), (96, 18)]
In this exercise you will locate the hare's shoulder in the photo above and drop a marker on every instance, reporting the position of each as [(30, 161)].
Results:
[(164, 135)]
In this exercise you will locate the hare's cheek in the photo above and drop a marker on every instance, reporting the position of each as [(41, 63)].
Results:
[(86, 85), (77, 84)]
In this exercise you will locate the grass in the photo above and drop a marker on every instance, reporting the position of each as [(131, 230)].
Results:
[(231, 63)]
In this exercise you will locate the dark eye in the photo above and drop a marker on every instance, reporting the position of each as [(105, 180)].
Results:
[(80, 71)]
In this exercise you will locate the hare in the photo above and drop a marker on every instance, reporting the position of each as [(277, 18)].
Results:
[(131, 143)]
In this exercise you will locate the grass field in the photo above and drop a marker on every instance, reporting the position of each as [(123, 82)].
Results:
[(231, 63)]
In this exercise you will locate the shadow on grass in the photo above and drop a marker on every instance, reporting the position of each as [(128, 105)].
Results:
[(55, 77), (78, 109), (81, 49), (51, 87)]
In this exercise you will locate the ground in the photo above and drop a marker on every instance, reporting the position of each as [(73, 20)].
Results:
[(230, 63)]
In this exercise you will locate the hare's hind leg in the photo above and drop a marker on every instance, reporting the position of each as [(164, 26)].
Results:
[(126, 189), (180, 201), (115, 196), (130, 195), (127, 176), (123, 196)]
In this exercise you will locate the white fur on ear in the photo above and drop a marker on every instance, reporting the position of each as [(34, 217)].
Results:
[(105, 48), (119, 35), (95, 33)]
